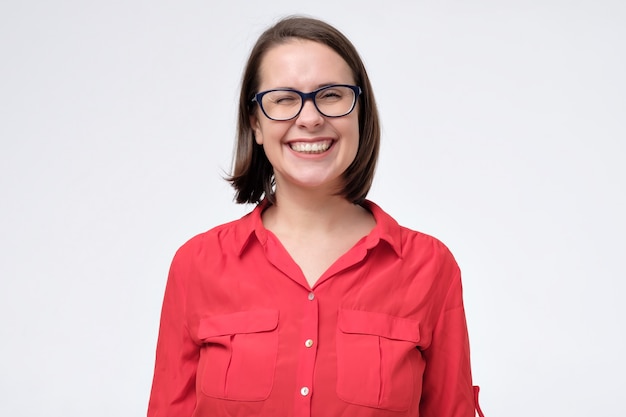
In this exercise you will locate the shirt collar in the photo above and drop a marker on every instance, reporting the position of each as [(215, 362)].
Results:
[(386, 229)]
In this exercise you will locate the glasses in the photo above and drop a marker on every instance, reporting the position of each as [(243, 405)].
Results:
[(286, 103)]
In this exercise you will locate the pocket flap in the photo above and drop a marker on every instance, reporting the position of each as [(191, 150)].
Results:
[(390, 327), (254, 321)]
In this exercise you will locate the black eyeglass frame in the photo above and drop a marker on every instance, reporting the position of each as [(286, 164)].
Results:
[(258, 98)]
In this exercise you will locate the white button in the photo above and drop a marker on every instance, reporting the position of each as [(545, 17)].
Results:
[(304, 391), (311, 296), (308, 343)]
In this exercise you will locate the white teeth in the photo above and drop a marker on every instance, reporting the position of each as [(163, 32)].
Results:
[(308, 147)]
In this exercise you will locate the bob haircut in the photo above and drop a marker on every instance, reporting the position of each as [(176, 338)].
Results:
[(253, 175)]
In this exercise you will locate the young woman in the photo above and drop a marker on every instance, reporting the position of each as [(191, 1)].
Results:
[(317, 303)]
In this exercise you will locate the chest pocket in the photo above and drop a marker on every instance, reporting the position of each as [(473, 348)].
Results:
[(238, 359), (375, 357)]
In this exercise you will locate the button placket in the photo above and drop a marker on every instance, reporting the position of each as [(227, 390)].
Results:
[(307, 348)]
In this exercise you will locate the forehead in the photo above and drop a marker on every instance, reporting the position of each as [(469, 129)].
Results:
[(303, 64)]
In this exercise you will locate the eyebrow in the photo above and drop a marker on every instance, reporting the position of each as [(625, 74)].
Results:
[(316, 88)]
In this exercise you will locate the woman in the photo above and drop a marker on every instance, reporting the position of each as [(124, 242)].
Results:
[(317, 303)]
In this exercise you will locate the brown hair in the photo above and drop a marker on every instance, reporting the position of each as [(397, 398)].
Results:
[(253, 175)]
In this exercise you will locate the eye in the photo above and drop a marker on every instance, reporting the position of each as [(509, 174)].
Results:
[(330, 94), (283, 98)]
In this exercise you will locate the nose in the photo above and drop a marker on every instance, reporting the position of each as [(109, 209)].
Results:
[(309, 115)]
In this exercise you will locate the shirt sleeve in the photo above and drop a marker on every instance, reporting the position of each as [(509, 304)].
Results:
[(447, 385), (173, 386)]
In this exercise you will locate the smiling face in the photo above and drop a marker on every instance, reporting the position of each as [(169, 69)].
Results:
[(311, 151)]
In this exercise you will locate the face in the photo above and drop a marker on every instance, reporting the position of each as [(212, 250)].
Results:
[(311, 151)]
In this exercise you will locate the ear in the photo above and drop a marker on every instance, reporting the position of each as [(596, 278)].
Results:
[(256, 128)]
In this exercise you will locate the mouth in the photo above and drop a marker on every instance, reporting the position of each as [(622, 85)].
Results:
[(311, 147)]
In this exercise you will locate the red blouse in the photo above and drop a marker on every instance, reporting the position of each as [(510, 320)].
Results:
[(382, 333)]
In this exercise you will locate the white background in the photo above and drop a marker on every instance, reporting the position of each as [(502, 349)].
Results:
[(504, 130)]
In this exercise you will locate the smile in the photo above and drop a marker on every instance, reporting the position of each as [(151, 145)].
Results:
[(311, 147)]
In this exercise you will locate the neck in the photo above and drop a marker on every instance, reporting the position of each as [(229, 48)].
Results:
[(309, 212)]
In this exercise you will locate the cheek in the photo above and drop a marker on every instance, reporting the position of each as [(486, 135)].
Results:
[(352, 128), (270, 132)]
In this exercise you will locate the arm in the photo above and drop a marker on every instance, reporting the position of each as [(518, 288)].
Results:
[(447, 385), (173, 387)]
